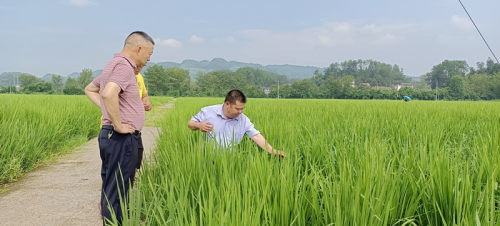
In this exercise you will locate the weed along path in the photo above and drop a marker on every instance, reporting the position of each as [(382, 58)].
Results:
[(66, 192)]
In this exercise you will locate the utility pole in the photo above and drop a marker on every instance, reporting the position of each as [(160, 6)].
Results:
[(437, 93), (278, 89), (10, 88)]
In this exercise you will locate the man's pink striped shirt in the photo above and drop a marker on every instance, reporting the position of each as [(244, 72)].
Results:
[(120, 70)]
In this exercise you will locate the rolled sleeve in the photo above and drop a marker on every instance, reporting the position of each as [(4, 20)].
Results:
[(97, 82), (199, 117), (250, 129)]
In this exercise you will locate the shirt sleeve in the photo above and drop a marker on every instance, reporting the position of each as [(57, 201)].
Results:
[(200, 116), (250, 129), (97, 81), (121, 76)]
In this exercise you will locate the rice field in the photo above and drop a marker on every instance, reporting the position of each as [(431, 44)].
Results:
[(36, 128), (349, 163)]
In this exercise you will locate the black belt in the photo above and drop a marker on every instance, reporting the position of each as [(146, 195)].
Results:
[(110, 127)]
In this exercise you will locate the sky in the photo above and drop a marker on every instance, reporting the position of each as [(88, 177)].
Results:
[(65, 36)]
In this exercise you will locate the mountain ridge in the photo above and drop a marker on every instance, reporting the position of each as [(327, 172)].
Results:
[(293, 72)]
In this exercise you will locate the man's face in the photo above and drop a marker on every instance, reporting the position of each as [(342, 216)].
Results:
[(234, 110), (144, 54)]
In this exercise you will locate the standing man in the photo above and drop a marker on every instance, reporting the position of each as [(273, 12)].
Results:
[(116, 92), (143, 94), (226, 123)]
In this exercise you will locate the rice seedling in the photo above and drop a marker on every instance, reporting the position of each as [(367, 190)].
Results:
[(349, 163)]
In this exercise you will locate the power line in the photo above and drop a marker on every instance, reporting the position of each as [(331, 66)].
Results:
[(479, 31)]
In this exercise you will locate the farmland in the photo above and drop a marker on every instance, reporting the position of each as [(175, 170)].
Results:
[(35, 129), (349, 163)]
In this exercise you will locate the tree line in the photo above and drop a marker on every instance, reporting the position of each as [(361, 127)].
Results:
[(352, 79), (30, 84)]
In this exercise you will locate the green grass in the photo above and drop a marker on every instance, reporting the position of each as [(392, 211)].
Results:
[(36, 128), (158, 103), (349, 163)]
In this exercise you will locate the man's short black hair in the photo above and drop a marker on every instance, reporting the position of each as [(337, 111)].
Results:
[(142, 34), (235, 95)]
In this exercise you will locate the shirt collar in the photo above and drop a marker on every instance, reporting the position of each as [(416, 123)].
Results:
[(130, 61), (221, 114)]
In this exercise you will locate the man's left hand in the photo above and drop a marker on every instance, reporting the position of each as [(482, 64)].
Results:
[(147, 107)]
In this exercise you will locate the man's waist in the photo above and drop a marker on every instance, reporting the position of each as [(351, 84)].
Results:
[(110, 127), (135, 123)]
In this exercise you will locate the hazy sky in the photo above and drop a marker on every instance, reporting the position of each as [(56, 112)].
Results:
[(64, 36)]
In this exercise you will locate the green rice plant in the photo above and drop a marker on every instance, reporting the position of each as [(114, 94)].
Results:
[(350, 162), (35, 128), (159, 107)]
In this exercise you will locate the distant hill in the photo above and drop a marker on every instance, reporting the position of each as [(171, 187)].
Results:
[(293, 72), (9, 78)]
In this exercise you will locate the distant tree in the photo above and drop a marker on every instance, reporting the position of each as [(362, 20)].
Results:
[(441, 74), (71, 82), (491, 67), (302, 89), (177, 81), (318, 77), (27, 79), (85, 78), (367, 71), (156, 79), (261, 78), (347, 90), (496, 85), (333, 88), (480, 86), (57, 84), (71, 90), (8, 89), (172, 81), (218, 83), (38, 87), (72, 87), (456, 89)]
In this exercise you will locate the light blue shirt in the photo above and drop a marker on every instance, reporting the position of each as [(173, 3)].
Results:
[(225, 131)]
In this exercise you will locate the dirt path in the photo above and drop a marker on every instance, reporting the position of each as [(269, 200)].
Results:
[(64, 193)]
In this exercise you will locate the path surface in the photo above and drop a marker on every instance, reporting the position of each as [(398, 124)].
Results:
[(64, 193)]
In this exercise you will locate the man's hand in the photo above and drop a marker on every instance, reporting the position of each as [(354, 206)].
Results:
[(205, 126), (146, 102), (147, 107), (124, 128), (280, 153)]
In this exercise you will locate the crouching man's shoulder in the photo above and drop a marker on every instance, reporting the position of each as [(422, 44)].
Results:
[(213, 108)]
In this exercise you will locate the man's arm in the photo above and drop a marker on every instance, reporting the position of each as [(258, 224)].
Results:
[(262, 142), (92, 93), (146, 102), (203, 126), (110, 100)]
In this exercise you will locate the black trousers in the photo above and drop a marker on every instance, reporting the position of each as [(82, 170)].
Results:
[(119, 160), (140, 151)]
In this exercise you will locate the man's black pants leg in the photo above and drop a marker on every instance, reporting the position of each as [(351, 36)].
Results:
[(140, 149), (119, 160)]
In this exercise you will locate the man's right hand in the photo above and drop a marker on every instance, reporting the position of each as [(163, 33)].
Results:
[(205, 126), (124, 128)]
